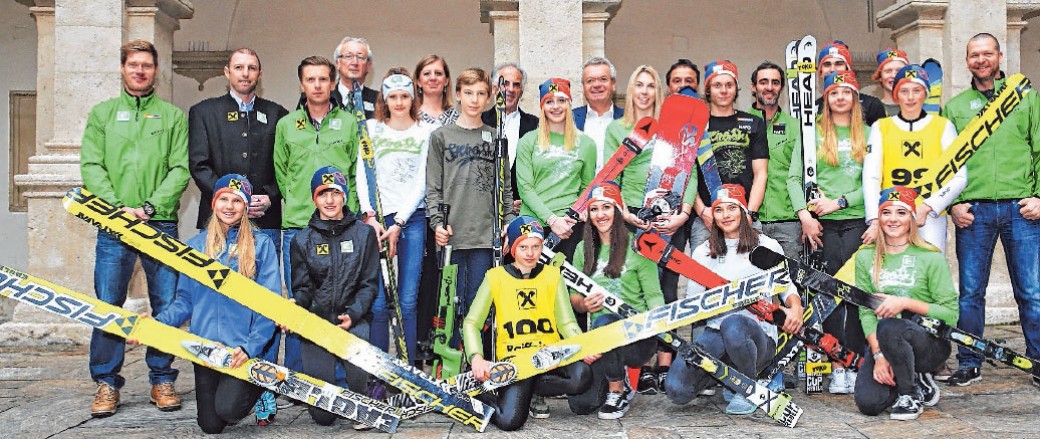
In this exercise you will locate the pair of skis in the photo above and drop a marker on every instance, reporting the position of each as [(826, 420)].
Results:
[(117, 321), (820, 281), (778, 406), (386, 262)]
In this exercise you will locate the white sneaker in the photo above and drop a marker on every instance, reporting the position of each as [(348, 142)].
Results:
[(839, 385), (850, 381)]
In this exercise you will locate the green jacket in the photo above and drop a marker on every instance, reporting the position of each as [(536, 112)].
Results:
[(844, 179), (550, 179), (916, 273), (639, 284), (1008, 163), (784, 134), (136, 150), (299, 150)]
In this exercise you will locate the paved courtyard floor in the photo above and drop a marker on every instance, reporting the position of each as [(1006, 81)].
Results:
[(46, 393)]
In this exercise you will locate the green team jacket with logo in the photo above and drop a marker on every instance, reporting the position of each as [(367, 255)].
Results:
[(299, 150), (135, 149), (1008, 163), (784, 135)]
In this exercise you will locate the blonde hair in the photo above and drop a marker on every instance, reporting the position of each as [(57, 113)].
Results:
[(881, 248), (629, 119), (245, 248), (570, 131), (857, 134)]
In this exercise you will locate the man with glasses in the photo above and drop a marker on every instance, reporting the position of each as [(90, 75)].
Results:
[(353, 61), (598, 81)]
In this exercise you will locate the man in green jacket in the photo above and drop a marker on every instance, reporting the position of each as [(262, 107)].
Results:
[(783, 133), (134, 155), (316, 135), (1002, 199)]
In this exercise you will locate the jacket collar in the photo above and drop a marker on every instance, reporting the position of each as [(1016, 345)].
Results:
[(332, 227), (138, 101)]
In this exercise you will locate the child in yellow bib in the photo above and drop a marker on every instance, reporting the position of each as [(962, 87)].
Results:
[(532, 308), (899, 150)]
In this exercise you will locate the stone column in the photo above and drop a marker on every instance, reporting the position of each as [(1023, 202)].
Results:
[(78, 67), (1018, 11), (155, 21), (542, 36)]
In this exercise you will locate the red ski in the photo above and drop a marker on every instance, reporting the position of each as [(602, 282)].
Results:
[(630, 147)]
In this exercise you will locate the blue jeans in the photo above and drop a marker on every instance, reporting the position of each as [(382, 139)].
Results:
[(739, 341), (975, 244), (410, 248), (473, 265), (292, 341), (114, 263)]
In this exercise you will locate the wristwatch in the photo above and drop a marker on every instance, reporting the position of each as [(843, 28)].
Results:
[(148, 209), (843, 202), (399, 222), (753, 214)]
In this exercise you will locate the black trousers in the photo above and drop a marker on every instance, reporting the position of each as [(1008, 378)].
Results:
[(909, 350), (841, 239), (222, 399), (514, 400), (320, 364)]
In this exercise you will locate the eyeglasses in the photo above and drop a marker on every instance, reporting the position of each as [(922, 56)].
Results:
[(352, 56)]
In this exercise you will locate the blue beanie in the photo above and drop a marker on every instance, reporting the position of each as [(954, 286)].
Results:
[(328, 177), (523, 227), (234, 183)]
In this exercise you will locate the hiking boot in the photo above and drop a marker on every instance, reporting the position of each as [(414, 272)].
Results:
[(616, 406), (265, 408), (165, 397), (929, 391), (106, 400), (906, 408), (539, 408), (965, 377), (943, 374), (647, 381)]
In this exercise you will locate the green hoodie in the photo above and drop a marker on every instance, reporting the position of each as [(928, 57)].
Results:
[(1008, 163), (784, 135), (135, 149), (299, 150)]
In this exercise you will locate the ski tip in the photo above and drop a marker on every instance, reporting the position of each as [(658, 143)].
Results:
[(648, 126), (765, 258)]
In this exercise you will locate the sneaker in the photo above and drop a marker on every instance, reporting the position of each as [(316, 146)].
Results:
[(376, 391), (265, 408), (839, 384), (106, 401), (707, 391), (616, 406), (630, 393), (662, 374), (850, 381), (539, 408), (740, 406), (647, 381), (929, 391), (943, 374), (906, 408), (165, 397), (965, 377)]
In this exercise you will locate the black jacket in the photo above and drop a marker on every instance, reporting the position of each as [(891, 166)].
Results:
[(335, 268), (223, 140), (528, 123)]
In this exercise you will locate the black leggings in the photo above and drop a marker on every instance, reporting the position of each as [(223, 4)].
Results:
[(320, 364), (909, 350), (611, 367), (222, 399), (514, 400), (841, 239)]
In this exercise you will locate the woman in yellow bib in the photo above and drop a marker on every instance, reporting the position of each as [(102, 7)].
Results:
[(899, 151), (532, 309)]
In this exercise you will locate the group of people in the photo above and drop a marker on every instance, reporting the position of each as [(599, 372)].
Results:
[(289, 188)]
